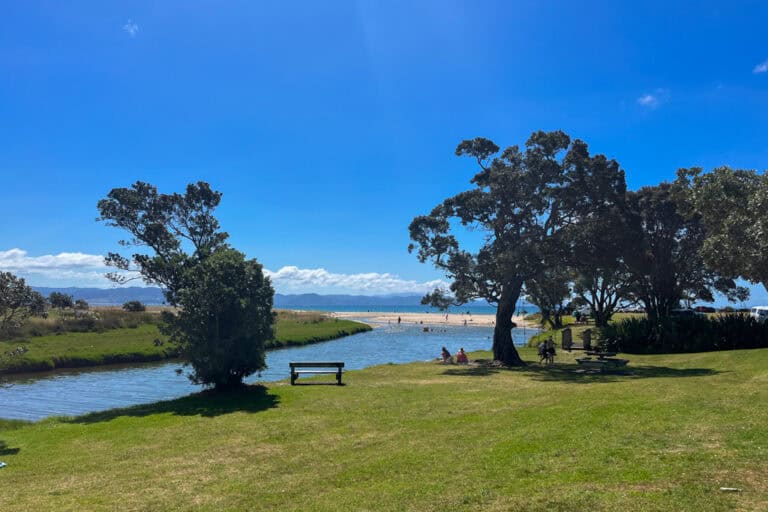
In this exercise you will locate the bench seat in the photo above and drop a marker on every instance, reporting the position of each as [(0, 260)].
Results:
[(316, 367)]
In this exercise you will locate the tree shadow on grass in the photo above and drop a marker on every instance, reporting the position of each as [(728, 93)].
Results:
[(579, 375), (4, 450), (209, 404)]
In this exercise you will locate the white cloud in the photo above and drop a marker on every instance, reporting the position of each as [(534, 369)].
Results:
[(292, 279), (761, 68), (80, 269), (63, 269), (648, 100), (653, 99), (131, 28)]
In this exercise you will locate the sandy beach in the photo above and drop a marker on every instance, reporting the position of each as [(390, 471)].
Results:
[(427, 318)]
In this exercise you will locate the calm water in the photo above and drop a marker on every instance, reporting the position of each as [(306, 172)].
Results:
[(471, 308), (77, 392)]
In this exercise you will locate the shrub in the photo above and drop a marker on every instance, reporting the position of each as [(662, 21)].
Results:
[(134, 306), (676, 335)]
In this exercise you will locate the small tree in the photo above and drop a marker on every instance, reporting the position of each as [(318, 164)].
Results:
[(60, 300), (134, 306), (549, 291), (225, 301), (81, 304), (17, 302)]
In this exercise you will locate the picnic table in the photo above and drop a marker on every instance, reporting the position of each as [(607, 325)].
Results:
[(604, 361)]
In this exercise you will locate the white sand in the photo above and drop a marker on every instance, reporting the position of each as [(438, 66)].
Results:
[(427, 318)]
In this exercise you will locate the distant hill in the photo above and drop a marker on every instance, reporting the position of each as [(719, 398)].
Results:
[(110, 296), (154, 296)]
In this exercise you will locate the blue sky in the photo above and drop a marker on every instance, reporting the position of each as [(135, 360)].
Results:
[(329, 125)]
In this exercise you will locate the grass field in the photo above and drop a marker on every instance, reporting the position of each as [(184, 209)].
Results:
[(126, 345), (426, 437)]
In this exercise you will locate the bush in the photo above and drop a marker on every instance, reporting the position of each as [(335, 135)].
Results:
[(134, 306), (677, 335)]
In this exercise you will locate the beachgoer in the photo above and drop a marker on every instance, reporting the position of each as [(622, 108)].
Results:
[(541, 349), (465, 323), (446, 356), (461, 356), (399, 320), (550, 351)]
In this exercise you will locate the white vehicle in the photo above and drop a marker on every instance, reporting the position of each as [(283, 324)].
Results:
[(759, 313)]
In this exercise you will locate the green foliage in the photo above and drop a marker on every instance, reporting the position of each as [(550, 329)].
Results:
[(522, 201), (548, 291), (82, 305), (60, 300), (224, 300), (97, 320), (225, 320), (134, 306), (689, 334), (665, 261), (17, 303), (732, 204)]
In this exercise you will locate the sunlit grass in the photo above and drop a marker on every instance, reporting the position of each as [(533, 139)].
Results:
[(664, 436)]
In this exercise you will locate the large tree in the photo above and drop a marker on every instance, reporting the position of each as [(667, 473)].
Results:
[(521, 202), (666, 262), (225, 301), (17, 302), (597, 249), (733, 207)]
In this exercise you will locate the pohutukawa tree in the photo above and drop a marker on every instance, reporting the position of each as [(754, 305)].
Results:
[(666, 260), (225, 301), (732, 204), (522, 202)]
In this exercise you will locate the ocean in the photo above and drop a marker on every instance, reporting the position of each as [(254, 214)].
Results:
[(469, 308)]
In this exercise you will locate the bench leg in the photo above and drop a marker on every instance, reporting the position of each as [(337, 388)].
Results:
[(293, 378), (338, 378)]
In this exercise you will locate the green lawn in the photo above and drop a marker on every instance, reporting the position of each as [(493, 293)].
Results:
[(665, 436), (76, 349)]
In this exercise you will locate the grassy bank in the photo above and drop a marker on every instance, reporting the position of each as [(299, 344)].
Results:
[(137, 343), (665, 436)]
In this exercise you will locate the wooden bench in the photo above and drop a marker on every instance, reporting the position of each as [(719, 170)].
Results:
[(295, 371), (602, 363)]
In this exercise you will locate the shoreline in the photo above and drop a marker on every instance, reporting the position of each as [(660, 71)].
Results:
[(482, 320)]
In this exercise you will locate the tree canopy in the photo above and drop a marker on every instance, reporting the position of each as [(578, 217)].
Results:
[(732, 205), (61, 300), (666, 261), (17, 302), (225, 301), (522, 202)]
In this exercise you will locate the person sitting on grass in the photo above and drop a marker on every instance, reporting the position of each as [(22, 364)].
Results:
[(446, 356), (461, 356)]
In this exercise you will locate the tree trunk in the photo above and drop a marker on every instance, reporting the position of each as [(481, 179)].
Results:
[(503, 346)]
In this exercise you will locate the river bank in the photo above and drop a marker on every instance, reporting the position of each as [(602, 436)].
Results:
[(144, 343)]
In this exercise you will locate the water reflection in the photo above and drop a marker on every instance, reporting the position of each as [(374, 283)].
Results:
[(74, 392)]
